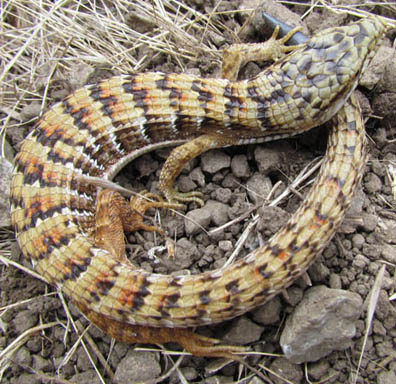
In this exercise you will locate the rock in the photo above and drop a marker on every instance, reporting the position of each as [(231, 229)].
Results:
[(240, 166), (384, 105), (386, 378), (5, 181), (294, 294), (31, 111), (197, 176), (318, 272), (358, 240), (370, 222), (335, 281), (188, 373), (389, 253), (287, 371), (360, 262), (271, 220), (387, 82), (268, 159), (186, 253), (137, 367), (223, 195), (218, 212), (23, 357), (79, 75), (27, 378), (186, 184), (372, 183), (196, 220), (24, 320), (243, 331), (7, 151), (318, 370), (145, 165), (377, 68), (87, 377), (214, 161), (258, 187), (324, 321), (269, 313), (41, 364), (226, 245), (84, 362)]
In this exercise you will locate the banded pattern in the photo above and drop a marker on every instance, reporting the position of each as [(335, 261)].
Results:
[(98, 128)]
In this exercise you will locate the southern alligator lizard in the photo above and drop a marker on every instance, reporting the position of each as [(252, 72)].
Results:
[(99, 128)]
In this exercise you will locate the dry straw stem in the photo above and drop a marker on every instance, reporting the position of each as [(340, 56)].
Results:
[(7, 353)]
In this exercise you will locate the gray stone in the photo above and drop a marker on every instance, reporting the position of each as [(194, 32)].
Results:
[(372, 183), (186, 184), (218, 212), (41, 364), (83, 361), (196, 220), (370, 222), (268, 159), (197, 176), (293, 373), (360, 262), (318, 370), (223, 195), (137, 367), (268, 313), (5, 181), (258, 187), (389, 253), (271, 220), (214, 161), (386, 378), (243, 331), (24, 320), (226, 245), (358, 240), (240, 166), (27, 378), (87, 377), (375, 71), (335, 281), (145, 165), (324, 321), (23, 357)]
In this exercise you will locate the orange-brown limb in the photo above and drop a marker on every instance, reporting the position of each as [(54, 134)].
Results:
[(114, 216), (196, 344)]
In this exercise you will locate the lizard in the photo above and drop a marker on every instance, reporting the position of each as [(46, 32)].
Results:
[(99, 128)]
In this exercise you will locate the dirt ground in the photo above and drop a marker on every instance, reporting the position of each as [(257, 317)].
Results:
[(233, 182)]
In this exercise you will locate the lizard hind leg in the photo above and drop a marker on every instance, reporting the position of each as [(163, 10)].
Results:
[(114, 216), (192, 342)]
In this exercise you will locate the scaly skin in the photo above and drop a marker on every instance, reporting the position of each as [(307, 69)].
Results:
[(98, 128)]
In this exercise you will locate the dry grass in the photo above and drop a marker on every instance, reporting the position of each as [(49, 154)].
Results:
[(43, 44)]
